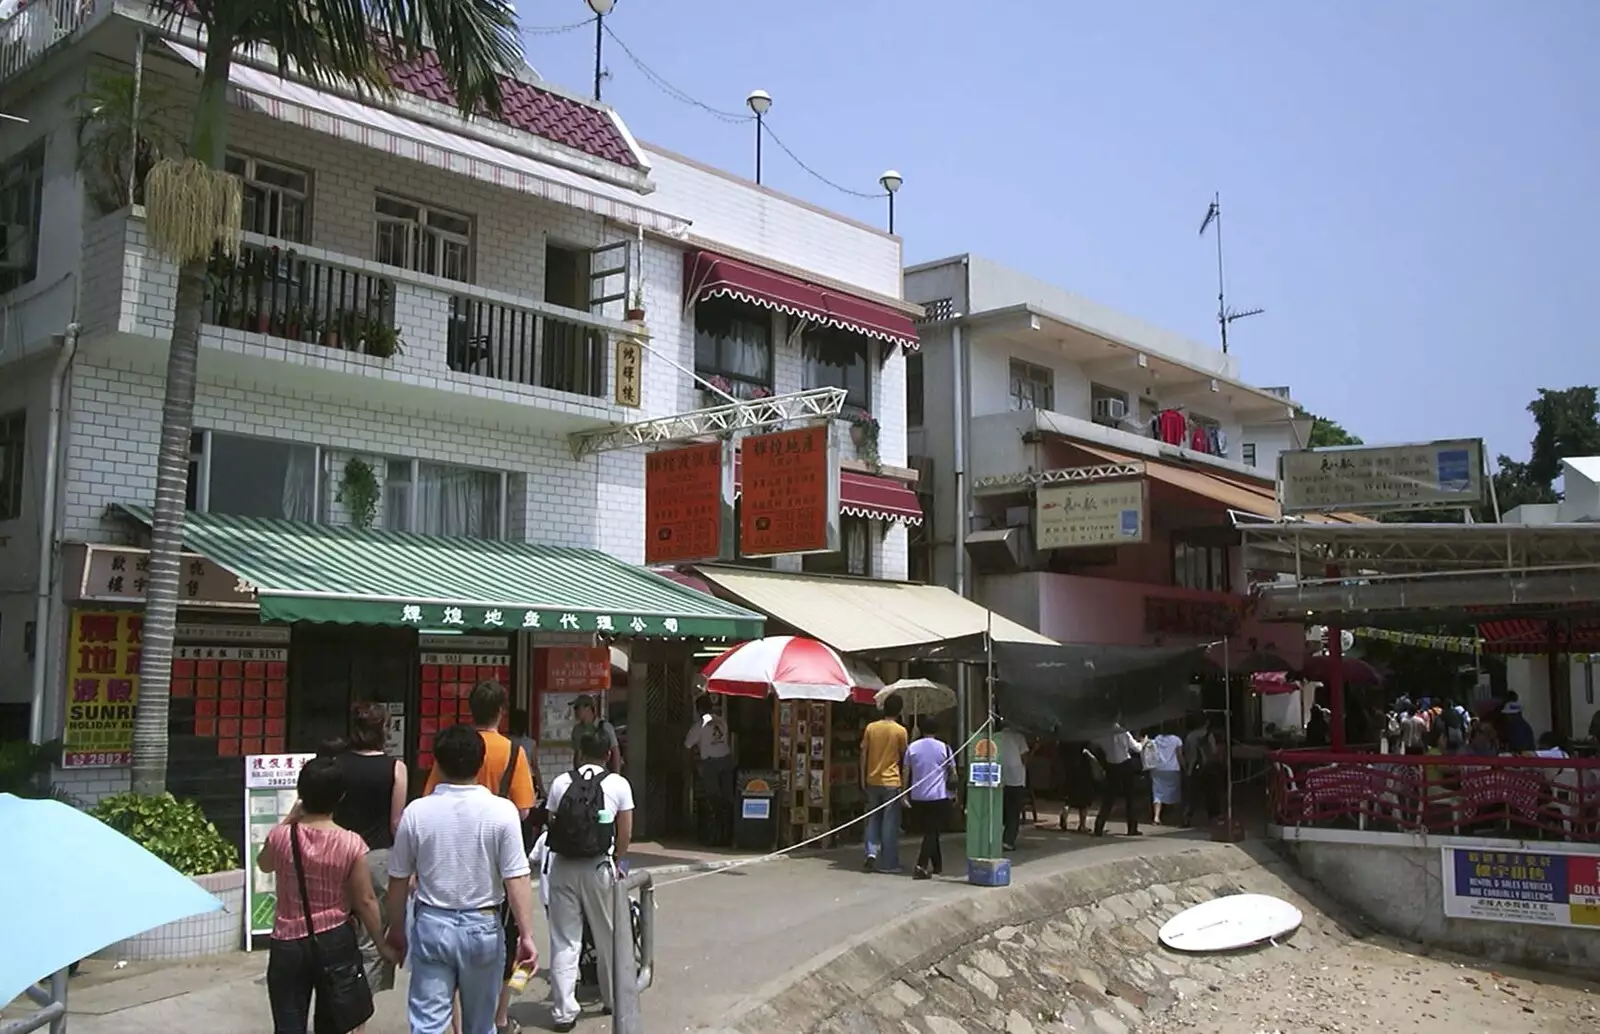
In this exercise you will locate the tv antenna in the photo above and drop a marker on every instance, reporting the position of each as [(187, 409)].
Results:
[(1225, 315)]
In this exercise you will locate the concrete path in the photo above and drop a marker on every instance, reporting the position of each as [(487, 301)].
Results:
[(722, 936)]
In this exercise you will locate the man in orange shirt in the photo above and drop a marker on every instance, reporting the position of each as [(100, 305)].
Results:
[(883, 751), (508, 773)]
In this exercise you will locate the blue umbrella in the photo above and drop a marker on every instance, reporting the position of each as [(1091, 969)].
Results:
[(74, 885)]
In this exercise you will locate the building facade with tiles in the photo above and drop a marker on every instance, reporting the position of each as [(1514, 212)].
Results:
[(1084, 472), (424, 311)]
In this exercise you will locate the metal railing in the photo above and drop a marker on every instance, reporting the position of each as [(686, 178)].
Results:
[(273, 290), (509, 343), (35, 27), (1534, 798), (625, 959), (52, 1005)]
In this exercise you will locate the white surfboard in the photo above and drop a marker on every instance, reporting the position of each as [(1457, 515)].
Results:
[(1226, 924)]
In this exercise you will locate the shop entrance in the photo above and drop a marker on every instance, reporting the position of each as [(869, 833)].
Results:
[(334, 666)]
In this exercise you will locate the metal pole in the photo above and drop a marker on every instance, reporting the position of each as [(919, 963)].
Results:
[(599, 40), (631, 975), (1222, 308), (759, 125), (891, 211), (1227, 732)]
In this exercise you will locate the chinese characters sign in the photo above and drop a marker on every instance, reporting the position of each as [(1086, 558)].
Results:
[(112, 574), (422, 615), (1541, 887), (1172, 615), (1107, 513), (1447, 474), (102, 688), (684, 493), (240, 694), (571, 669), (446, 682), (269, 795), (629, 363), (789, 493)]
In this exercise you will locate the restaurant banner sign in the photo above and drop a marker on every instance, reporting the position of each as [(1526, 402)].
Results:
[(1544, 887), (1361, 479), (688, 492), (1103, 513), (102, 688), (789, 492)]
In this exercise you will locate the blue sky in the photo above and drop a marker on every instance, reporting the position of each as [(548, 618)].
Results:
[(1410, 189)]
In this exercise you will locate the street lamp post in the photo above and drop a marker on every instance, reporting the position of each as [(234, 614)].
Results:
[(891, 181), (601, 8), (759, 101)]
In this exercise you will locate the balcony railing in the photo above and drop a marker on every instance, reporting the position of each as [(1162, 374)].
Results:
[(511, 343), (35, 27), (270, 290), (1525, 798)]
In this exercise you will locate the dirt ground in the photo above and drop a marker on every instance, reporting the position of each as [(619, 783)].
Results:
[(1372, 986)]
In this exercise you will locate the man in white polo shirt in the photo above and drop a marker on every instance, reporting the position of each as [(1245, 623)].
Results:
[(464, 846), (715, 791)]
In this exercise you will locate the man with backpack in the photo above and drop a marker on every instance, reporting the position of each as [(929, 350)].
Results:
[(590, 828), (507, 771)]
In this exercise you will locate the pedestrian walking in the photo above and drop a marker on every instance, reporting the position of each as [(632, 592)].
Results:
[(1165, 761), (375, 787), (1121, 749), (463, 845), (883, 751), (590, 830), (708, 737), (322, 879), (507, 771), (931, 773), (1014, 749), (589, 720)]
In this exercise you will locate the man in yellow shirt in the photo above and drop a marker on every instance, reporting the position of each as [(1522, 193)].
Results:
[(883, 752)]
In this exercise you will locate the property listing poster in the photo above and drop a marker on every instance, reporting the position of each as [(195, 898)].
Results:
[(269, 796), (102, 688), (1542, 887)]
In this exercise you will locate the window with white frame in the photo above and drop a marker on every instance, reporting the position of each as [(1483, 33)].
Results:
[(1032, 387), (21, 195), (1247, 452), (421, 237), (253, 477), (442, 499), (13, 457), (276, 198)]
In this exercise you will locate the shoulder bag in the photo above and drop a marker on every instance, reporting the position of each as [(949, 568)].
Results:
[(343, 996)]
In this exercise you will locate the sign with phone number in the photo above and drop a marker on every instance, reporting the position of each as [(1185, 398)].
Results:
[(1547, 888)]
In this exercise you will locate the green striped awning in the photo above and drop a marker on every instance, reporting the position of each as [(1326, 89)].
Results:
[(356, 576)]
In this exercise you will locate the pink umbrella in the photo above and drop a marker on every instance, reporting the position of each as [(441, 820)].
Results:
[(1272, 683), (792, 667)]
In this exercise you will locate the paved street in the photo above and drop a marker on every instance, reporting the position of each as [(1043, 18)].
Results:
[(722, 936)]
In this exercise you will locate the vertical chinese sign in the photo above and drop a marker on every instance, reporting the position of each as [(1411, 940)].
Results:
[(103, 688), (627, 373), (269, 795), (685, 491), (789, 493)]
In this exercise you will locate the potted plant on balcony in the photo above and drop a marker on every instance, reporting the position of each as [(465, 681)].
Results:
[(864, 433), (106, 122), (636, 307), (379, 339), (717, 383), (340, 328)]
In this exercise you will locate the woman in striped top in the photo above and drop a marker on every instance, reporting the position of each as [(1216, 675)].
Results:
[(338, 884)]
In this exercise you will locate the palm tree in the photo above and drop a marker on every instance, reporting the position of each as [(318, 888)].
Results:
[(193, 209)]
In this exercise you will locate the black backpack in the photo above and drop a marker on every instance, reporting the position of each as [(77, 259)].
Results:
[(575, 828)]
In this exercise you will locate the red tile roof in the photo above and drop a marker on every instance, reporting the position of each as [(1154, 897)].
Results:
[(528, 108)]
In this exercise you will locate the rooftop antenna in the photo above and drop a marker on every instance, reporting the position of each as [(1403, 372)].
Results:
[(1225, 315)]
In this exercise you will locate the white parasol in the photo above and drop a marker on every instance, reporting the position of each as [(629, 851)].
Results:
[(921, 696)]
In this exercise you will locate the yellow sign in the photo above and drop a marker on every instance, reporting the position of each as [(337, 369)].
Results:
[(102, 687), (629, 363), (1101, 513)]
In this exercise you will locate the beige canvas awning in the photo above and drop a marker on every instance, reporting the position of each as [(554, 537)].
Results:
[(863, 615)]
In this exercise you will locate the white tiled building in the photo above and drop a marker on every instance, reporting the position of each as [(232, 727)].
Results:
[(476, 242)]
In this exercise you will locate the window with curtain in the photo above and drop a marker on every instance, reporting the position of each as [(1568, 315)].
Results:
[(854, 555), (260, 477), (1200, 567), (733, 347), (456, 501), (837, 358)]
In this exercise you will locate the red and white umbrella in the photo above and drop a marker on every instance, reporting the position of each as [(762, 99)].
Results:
[(790, 667)]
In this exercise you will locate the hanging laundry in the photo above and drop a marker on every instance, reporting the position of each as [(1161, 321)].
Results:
[(1171, 426), (1199, 438), (1220, 441)]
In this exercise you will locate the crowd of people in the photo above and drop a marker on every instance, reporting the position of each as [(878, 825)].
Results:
[(443, 884)]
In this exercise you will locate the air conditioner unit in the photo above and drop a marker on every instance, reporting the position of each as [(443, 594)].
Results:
[(1110, 410)]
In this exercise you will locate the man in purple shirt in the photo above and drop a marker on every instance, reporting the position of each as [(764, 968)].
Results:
[(930, 771)]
